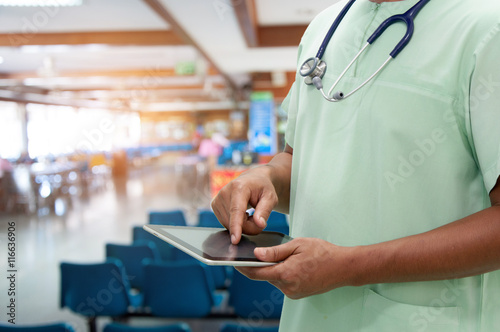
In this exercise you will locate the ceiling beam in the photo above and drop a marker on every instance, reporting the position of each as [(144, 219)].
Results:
[(35, 98), (177, 28), (167, 72), (247, 19), (280, 35), (264, 36), (155, 72), (139, 38)]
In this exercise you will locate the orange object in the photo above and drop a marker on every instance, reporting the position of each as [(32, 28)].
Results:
[(219, 178)]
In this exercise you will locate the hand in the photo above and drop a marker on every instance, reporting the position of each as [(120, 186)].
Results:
[(308, 266), (251, 189)]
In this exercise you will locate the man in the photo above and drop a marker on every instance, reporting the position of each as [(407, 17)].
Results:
[(393, 193)]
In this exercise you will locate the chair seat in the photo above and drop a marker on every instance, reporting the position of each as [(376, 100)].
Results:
[(56, 327), (247, 328), (116, 327)]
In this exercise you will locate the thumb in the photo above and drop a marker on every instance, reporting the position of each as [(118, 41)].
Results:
[(277, 253)]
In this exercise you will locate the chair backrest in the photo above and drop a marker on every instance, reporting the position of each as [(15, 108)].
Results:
[(116, 327), (251, 298), (173, 217), (178, 289), (207, 218), (131, 256), (56, 327), (167, 252), (92, 290), (277, 222), (247, 328)]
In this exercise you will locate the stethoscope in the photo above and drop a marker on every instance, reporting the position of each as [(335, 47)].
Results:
[(314, 68)]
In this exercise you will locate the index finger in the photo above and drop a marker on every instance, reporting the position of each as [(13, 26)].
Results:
[(237, 215)]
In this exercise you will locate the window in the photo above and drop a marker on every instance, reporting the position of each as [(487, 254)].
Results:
[(11, 134)]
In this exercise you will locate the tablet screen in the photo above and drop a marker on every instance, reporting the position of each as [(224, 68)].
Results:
[(215, 244)]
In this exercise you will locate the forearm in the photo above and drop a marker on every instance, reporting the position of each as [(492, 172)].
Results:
[(280, 171), (466, 247)]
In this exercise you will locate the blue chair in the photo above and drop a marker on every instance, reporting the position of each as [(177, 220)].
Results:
[(167, 251), (174, 217), (277, 222), (254, 299), (93, 290), (247, 328), (116, 327), (131, 256), (56, 327), (179, 290), (207, 218)]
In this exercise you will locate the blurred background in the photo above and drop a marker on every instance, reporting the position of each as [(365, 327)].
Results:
[(114, 110)]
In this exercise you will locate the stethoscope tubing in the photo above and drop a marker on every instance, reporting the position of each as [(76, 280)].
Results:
[(333, 28)]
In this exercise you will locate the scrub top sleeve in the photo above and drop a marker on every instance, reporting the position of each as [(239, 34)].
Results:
[(485, 107)]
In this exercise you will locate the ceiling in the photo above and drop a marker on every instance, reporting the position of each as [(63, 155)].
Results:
[(151, 55)]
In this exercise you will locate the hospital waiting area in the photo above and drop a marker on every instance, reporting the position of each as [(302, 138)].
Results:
[(115, 114), (249, 165)]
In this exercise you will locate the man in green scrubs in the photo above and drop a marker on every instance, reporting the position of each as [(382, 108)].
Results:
[(393, 193)]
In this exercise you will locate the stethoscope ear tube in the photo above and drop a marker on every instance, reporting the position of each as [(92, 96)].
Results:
[(331, 31)]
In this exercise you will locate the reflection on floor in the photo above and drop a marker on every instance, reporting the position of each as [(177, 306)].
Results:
[(80, 236)]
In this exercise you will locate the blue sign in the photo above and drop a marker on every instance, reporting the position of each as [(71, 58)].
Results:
[(262, 123)]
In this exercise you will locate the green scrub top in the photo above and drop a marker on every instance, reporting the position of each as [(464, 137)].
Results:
[(415, 149)]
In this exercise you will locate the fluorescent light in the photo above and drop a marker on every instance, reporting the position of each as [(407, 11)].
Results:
[(41, 3)]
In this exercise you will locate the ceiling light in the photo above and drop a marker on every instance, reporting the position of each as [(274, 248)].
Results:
[(41, 3)]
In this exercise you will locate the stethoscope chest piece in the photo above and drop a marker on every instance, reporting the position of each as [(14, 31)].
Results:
[(311, 68)]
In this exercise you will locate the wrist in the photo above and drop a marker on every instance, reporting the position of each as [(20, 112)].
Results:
[(279, 172), (368, 265)]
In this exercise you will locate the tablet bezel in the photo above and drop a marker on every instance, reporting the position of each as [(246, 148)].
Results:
[(159, 231)]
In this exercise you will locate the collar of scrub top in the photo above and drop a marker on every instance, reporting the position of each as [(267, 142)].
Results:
[(314, 68)]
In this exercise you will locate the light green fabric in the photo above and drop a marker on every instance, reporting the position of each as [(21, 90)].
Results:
[(415, 149)]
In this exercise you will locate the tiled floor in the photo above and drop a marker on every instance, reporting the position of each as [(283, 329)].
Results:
[(80, 236)]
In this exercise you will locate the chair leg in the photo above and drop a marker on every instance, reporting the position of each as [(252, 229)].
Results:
[(92, 324)]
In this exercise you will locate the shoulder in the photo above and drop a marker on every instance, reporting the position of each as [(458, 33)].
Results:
[(470, 22), (476, 16)]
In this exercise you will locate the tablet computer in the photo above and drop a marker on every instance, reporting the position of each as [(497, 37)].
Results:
[(213, 246)]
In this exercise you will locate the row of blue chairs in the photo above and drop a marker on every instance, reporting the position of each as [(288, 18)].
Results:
[(151, 277), (244, 294), (175, 290), (243, 291), (116, 327)]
